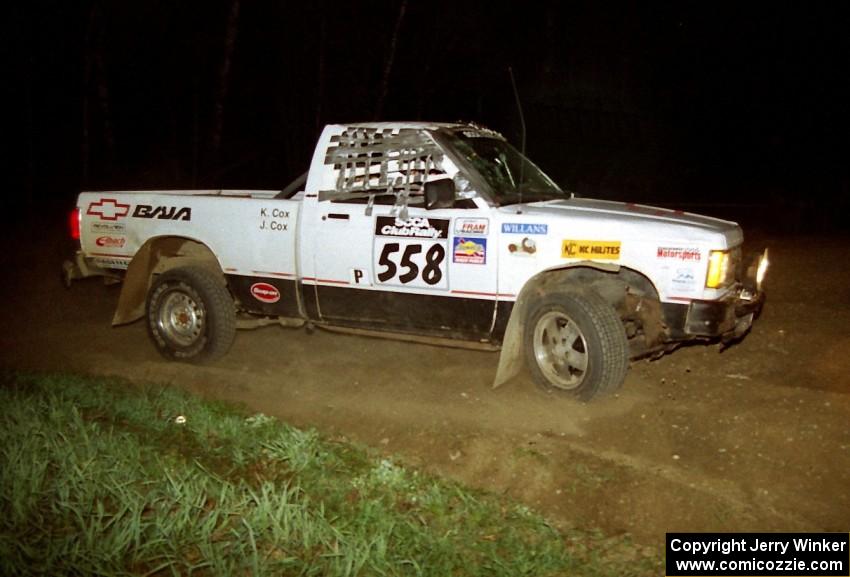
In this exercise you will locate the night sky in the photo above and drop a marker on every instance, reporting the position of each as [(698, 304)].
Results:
[(695, 104)]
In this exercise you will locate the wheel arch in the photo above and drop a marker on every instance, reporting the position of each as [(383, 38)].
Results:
[(610, 281), (157, 255)]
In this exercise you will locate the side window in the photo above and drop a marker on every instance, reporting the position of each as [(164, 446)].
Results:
[(384, 164)]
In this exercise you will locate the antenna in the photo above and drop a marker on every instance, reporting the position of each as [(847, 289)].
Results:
[(522, 143)]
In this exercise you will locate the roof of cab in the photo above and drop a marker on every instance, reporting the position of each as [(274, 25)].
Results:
[(409, 125)]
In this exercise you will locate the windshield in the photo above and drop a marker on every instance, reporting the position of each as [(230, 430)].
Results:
[(507, 171)]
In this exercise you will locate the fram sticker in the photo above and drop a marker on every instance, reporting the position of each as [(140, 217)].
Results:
[(524, 228), (264, 292), (678, 253), (472, 226), (469, 250), (595, 249)]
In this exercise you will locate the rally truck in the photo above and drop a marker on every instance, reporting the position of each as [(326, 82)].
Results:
[(430, 232)]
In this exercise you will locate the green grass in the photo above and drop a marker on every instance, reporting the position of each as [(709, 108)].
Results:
[(98, 477)]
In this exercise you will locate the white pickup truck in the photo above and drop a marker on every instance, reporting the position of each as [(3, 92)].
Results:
[(431, 232)]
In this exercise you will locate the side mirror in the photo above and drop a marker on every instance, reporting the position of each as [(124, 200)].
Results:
[(439, 194)]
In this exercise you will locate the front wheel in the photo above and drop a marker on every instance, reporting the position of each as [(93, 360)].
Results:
[(575, 342), (190, 315)]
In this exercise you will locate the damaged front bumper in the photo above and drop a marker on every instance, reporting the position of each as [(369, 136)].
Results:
[(727, 319)]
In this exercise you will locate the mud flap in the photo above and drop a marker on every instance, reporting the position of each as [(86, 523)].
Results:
[(131, 302), (511, 359)]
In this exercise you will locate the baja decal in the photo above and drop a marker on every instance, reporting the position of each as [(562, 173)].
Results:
[(525, 247), (265, 293), (108, 209), (108, 227), (469, 250), (686, 254), (162, 212), (411, 253), (110, 241), (524, 228), (594, 249), (472, 226)]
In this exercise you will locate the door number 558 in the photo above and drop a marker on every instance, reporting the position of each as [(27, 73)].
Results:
[(430, 271)]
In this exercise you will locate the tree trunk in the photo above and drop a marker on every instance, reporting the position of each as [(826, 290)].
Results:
[(224, 75), (388, 63)]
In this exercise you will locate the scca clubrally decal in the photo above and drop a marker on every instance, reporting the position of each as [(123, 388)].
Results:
[(416, 227)]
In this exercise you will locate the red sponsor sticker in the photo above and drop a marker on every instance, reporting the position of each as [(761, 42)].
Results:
[(264, 292), (110, 241)]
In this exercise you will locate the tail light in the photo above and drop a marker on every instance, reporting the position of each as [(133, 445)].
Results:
[(74, 224)]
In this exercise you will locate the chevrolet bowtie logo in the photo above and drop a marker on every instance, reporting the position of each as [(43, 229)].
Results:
[(108, 209)]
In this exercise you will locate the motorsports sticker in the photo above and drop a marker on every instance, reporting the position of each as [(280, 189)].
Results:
[(469, 250), (677, 253), (595, 249), (411, 253)]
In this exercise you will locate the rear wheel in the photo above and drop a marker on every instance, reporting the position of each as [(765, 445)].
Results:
[(575, 342), (190, 315)]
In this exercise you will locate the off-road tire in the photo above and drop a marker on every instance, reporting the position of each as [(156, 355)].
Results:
[(190, 315), (570, 330)]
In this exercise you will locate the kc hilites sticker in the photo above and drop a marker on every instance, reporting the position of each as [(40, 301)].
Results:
[(678, 253), (411, 253), (469, 250), (472, 226), (595, 249)]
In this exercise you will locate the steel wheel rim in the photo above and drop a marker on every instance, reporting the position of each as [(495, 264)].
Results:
[(180, 319), (560, 348)]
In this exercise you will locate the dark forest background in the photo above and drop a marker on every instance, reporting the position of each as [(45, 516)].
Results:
[(734, 109)]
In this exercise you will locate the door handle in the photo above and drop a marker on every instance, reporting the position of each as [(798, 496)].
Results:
[(338, 216)]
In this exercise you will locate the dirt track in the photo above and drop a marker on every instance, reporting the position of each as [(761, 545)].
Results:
[(755, 438)]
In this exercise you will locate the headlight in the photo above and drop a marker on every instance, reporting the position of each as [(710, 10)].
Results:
[(718, 269)]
